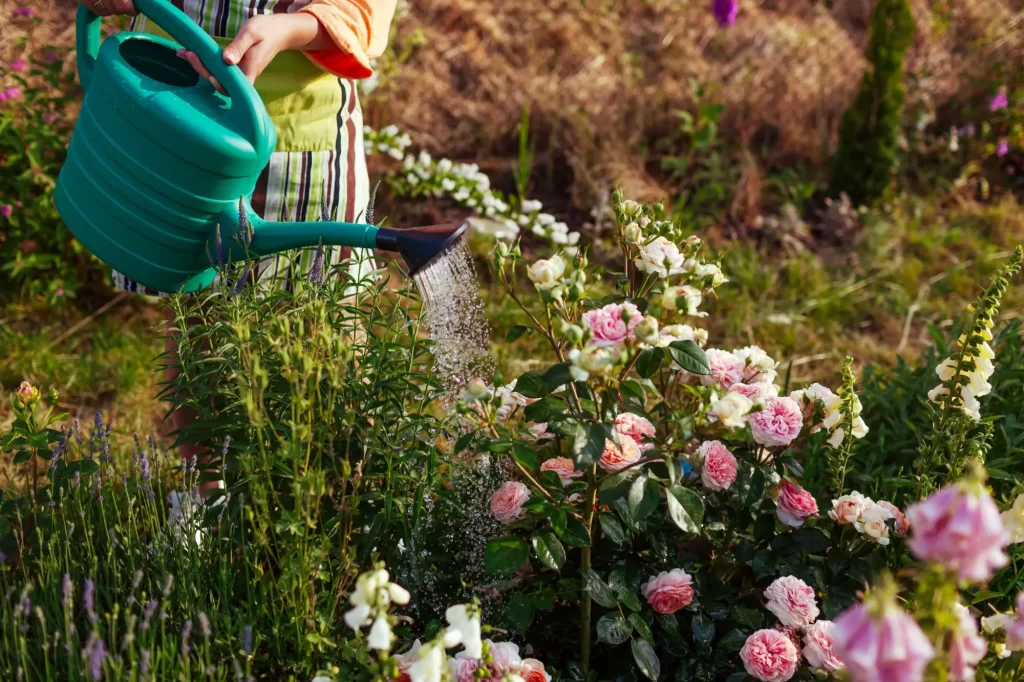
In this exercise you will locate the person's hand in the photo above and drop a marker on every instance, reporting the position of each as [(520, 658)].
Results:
[(106, 8), (260, 40)]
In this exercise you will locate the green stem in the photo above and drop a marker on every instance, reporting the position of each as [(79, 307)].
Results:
[(585, 608)]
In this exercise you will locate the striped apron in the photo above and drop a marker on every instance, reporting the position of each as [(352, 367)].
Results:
[(319, 163)]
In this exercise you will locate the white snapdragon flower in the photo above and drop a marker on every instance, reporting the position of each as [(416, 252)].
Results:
[(464, 628), (381, 636), (429, 665), (1013, 520)]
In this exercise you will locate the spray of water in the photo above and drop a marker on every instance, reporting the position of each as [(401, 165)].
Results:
[(454, 314)]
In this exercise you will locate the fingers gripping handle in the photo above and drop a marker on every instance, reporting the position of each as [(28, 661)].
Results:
[(244, 111)]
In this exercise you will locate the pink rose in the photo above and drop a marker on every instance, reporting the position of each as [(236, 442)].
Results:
[(533, 670), (792, 601), (726, 369), (818, 647), (889, 647), (1015, 628), (756, 392), (636, 428), (794, 504), (540, 431), (562, 466), (607, 324), (508, 500), (669, 591), (719, 470), (615, 458), (847, 509), (463, 668), (506, 657), (778, 424), (794, 636), (961, 530), (902, 525), (966, 646), (769, 656)]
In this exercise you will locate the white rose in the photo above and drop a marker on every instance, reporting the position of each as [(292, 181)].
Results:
[(547, 273), (647, 331), (682, 332), (592, 360), (660, 257), (711, 271), (630, 207), (691, 296), (731, 410), (847, 509), (872, 524), (632, 233)]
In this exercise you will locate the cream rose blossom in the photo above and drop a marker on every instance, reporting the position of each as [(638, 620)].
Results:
[(847, 509), (546, 274), (731, 410)]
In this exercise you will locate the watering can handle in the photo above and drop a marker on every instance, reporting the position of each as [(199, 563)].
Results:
[(243, 97)]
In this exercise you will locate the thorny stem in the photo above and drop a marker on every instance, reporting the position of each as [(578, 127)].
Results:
[(585, 608)]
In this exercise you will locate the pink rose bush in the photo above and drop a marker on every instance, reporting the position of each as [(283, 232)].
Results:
[(669, 591), (778, 424), (770, 656), (508, 500), (795, 505), (959, 527), (718, 472), (792, 601), (726, 369)]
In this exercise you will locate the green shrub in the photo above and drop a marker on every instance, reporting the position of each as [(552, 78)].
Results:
[(870, 129)]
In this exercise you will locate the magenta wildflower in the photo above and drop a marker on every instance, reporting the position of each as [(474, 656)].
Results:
[(11, 94), (999, 100), (1003, 148), (50, 117), (51, 57), (18, 65), (6, 210), (26, 12), (725, 12)]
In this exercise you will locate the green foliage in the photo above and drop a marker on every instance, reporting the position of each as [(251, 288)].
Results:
[(870, 129), (38, 254)]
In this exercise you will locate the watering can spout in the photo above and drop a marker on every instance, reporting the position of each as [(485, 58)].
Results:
[(420, 246)]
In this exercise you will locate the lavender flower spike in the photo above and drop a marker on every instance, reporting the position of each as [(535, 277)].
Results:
[(67, 591), (88, 601)]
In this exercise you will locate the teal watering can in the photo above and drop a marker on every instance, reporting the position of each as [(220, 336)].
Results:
[(159, 159)]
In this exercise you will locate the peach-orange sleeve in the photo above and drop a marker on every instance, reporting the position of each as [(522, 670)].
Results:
[(359, 29)]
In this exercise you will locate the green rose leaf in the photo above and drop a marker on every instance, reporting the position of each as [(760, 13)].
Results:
[(685, 508), (612, 528), (690, 357), (573, 532), (641, 627), (646, 659), (588, 445), (703, 629), (643, 497), (515, 332), (525, 456), (649, 362), (519, 612), (549, 550), (613, 629), (505, 555), (598, 589), (750, 618), (733, 640)]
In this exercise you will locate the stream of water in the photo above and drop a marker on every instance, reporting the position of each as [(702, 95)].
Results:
[(454, 314)]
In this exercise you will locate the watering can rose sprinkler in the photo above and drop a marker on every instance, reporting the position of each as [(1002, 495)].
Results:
[(159, 159)]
